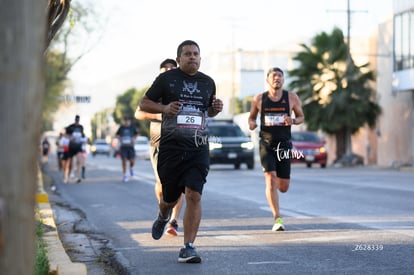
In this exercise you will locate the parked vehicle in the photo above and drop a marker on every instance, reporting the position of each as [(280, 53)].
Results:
[(230, 145), (142, 147), (308, 148), (100, 146)]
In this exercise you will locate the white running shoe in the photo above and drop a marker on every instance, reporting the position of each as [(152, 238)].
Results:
[(278, 226)]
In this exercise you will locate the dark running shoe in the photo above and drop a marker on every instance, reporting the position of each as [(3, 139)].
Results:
[(159, 225), (188, 254)]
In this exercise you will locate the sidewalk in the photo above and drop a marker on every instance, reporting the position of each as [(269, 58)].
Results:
[(59, 261)]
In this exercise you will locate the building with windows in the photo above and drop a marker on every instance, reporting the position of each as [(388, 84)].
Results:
[(395, 86)]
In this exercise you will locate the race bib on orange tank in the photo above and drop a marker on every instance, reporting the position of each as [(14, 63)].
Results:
[(274, 119)]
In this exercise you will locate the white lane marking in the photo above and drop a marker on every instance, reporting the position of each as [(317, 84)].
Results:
[(127, 248), (292, 214), (145, 177), (233, 237), (320, 239), (98, 205), (269, 262)]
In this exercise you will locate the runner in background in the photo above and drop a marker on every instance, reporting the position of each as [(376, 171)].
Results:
[(75, 134), (45, 150), (127, 134), (155, 135)]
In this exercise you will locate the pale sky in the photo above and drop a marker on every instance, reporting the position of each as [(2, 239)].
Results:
[(140, 33)]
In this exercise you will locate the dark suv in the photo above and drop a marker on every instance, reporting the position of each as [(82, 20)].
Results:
[(229, 145)]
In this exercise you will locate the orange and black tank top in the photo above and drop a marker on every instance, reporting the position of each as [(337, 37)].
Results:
[(272, 125)]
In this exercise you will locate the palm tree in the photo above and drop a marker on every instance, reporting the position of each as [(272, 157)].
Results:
[(336, 94)]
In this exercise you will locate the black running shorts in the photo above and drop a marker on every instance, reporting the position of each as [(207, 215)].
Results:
[(276, 158), (178, 169), (127, 152), (74, 148)]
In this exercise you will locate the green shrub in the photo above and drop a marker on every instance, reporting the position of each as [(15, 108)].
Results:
[(41, 261)]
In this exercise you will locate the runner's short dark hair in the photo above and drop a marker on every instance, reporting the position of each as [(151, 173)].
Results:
[(186, 43), (275, 69), (168, 61)]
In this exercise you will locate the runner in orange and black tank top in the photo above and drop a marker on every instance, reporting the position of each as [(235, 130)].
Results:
[(273, 130)]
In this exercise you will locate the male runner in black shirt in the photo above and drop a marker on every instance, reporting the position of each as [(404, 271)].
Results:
[(187, 98)]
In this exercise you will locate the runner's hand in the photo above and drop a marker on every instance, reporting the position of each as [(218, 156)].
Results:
[(172, 108), (217, 105)]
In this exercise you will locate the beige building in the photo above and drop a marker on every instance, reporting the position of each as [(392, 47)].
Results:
[(395, 86)]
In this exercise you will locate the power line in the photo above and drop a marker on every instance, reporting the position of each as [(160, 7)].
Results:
[(348, 42)]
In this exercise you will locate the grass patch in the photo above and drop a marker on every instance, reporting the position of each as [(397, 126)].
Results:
[(41, 261)]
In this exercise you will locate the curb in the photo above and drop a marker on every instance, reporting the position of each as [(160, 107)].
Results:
[(407, 168), (59, 261)]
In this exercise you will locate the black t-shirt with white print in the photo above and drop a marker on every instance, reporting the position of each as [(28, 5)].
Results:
[(127, 134), (188, 129), (75, 131)]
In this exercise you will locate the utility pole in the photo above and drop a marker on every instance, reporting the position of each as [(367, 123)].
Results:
[(348, 33), (348, 22), (348, 143), (235, 22), (233, 71)]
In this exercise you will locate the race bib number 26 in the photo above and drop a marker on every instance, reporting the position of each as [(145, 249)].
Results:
[(189, 121)]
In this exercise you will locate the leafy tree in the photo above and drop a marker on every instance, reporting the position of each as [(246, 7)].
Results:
[(123, 105), (142, 125), (58, 62), (101, 124), (126, 105), (57, 65), (57, 11), (57, 68), (336, 94)]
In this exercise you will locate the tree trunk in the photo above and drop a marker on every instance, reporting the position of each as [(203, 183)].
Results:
[(22, 42), (340, 137), (348, 142)]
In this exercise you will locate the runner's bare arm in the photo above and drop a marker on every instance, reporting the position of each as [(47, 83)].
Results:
[(141, 115), (147, 105), (254, 110), (297, 109)]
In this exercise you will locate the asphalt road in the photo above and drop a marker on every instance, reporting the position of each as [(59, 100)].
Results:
[(338, 220)]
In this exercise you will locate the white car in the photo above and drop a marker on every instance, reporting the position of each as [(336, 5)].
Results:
[(142, 147), (100, 146)]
